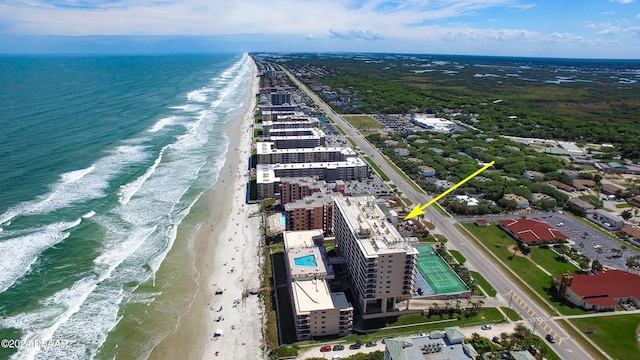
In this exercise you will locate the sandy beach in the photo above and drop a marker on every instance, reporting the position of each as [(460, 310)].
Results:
[(227, 259)]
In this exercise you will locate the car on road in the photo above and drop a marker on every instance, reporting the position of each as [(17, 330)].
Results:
[(354, 346), (338, 347), (325, 348), (371, 344), (550, 338), (485, 327)]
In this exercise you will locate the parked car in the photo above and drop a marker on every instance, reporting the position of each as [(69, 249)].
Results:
[(496, 340), (338, 347), (371, 344), (486, 327), (550, 338), (325, 348), (355, 346)]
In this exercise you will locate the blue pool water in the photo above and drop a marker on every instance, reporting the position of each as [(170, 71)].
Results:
[(307, 260), (283, 220)]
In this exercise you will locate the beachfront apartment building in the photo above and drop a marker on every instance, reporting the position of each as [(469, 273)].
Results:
[(380, 262), (276, 115), (297, 188), (268, 175), (313, 212), (297, 138), (316, 309), (280, 98), (267, 126), (267, 154)]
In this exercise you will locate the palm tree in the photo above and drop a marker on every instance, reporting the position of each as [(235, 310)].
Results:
[(623, 248), (599, 251)]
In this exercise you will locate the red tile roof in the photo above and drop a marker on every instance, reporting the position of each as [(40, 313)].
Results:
[(605, 287), (532, 230)]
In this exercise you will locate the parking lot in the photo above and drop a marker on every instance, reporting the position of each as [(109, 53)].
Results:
[(591, 239), (314, 352), (578, 233)]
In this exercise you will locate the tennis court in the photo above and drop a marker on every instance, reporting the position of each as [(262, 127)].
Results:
[(437, 273)]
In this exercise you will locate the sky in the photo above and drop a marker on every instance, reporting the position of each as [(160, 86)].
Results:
[(539, 28)]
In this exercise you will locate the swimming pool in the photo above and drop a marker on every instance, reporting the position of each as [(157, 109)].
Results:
[(283, 220), (307, 260)]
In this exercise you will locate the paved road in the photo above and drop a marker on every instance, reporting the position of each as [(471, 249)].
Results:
[(566, 347)]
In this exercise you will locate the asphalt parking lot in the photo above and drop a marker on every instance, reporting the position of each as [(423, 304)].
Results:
[(592, 240), (578, 233)]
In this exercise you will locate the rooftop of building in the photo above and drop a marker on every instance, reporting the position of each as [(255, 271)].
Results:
[(291, 121), (312, 201), (605, 287), (314, 295), (268, 147), (314, 133), (302, 239), (348, 162), (532, 230), (307, 263), (436, 346), (369, 225)]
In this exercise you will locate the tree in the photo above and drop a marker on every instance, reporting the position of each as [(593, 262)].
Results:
[(596, 266), (626, 215), (633, 263), (599, 251)]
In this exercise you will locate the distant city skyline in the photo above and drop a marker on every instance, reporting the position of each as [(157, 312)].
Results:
[(607, 29)]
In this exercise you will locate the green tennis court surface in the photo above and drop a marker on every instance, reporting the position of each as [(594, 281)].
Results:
[(437, 273)]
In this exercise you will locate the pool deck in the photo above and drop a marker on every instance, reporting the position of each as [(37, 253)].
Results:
[(305, 271)]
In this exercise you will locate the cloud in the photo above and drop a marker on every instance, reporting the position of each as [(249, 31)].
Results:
[(623, 1), (634, 31), (355, 34), (489, 34), (215, 17)]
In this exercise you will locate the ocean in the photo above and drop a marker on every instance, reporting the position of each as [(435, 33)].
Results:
[(103, 160)]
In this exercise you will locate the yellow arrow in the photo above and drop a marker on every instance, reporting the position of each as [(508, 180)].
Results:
[(419, 210)]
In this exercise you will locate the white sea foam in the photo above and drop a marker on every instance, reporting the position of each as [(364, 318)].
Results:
[(19, 250), (128, 190), (199, 95), (187, 107), (162, 123), (141, 229), (76, 175), (83, 186), (88, 215)]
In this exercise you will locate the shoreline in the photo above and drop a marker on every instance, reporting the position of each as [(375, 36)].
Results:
[(226, 251)]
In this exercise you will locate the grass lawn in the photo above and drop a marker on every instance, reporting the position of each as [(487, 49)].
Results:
[(615, 334), (339, 130), (417, 323), (403, 175), (353, 144), (375, 167), (362, 121), (440, 210), (459, 257), (498, 242), (484, 284), (623, 206), (511, 314)]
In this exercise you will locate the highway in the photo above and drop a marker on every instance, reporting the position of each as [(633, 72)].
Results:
[(535, 317)]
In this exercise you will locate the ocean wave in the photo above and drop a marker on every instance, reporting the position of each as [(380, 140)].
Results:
[(19, 250), (84, 185), (138, 230), (76, 175), (128, 190), (162, 123)]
